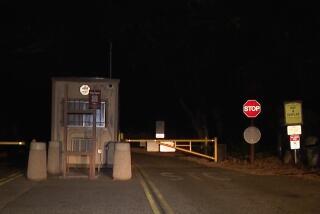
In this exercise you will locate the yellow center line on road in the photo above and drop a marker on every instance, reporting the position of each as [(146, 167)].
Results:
[(153, 189), (9, 178), (152, 202)]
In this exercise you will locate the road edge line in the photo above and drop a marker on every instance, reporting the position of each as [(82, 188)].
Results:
[(12, 174), (10, 179)]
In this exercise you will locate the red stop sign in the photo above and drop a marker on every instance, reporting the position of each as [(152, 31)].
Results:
[(251, 108)]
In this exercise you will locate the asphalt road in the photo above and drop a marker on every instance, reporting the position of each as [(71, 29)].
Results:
[(68, 196), (12, 160), (161, 183), (187, 187)]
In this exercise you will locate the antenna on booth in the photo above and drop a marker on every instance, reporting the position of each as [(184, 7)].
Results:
[(110, 59)]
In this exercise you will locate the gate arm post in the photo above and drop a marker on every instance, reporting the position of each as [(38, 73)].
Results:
[(215, 149)]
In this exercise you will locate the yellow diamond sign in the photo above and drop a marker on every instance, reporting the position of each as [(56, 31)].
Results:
[(293, 112)]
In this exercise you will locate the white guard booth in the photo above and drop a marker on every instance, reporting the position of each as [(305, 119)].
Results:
[(73, 119)]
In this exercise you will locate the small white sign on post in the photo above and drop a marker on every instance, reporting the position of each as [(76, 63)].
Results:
[(294, 130), (159, 129), (295, 141), (84, 90)]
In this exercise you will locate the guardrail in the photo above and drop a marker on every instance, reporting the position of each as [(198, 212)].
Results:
[(184, 145)]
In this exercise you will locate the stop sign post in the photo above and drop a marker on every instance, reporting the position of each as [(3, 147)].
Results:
[(251, 108)]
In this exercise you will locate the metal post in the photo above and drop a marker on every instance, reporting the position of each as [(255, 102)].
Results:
[(295, 156), (65, 131), (110, 60), (93, 152), (215, 149), (252, 146), (251, 153)]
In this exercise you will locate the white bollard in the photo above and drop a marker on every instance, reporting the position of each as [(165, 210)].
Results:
[(122, 162), (37, 162), (53, 158)]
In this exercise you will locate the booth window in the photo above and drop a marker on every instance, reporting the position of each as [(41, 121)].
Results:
[(79, 116)]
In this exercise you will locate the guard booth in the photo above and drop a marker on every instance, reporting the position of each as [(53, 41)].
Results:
[(84, 121)]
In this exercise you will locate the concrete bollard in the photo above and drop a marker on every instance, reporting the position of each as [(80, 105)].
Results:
[(37, 162), (53, 158), (122, 162)]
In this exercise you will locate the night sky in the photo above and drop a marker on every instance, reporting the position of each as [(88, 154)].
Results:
[(203, 57)]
